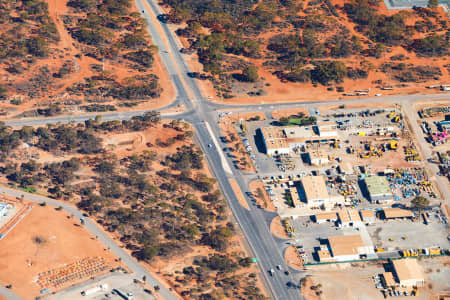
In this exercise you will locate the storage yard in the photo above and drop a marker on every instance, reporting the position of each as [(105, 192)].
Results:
[(435, 124)]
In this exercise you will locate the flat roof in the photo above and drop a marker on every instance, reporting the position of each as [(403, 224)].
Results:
[(349, 215), (295, 197), (377, 185), (407, 269), (276, 144), (345, 244), (326, 123), (297, 132), (389, 278), (326, 216), (396, 212), (323, 254), (272, 133), (367, 213), (320, 153), (315, 188)]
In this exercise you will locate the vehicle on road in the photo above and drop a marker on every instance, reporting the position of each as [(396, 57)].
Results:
[(279, 267), (271, 271), (209, 145)]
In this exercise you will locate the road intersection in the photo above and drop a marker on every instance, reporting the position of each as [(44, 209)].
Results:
[(202, 114)]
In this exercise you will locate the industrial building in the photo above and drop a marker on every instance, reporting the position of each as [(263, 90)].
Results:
[(325, 217), (367, 216), (349, 217), (314, 193), (318, 157), (283, 140), (397, 213), (379, 189), (408, 272), (345, 248)]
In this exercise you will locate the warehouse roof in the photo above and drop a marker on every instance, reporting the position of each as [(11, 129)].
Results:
[(318, 154), (396, 212), (295, 197), (276, 143), (345, 244), (314, 187), (389, 278), (377, 185), (326, 216), (324, 254), (272, 133), (297, 132), (367, 213), (407, 269), (349, 215)]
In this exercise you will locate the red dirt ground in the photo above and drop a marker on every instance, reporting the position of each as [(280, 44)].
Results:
[(21, 259), (277, 228)]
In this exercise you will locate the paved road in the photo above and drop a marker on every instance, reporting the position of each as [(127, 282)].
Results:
[(95, 230), (253, 224)]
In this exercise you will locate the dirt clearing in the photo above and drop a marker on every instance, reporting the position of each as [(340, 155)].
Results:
[(46, 239), (277, 228)]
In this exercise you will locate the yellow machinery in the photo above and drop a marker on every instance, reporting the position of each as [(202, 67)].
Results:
[(379, 249), (391, 114), (243, 127), (396, 119), (435, 251), (393, 145)]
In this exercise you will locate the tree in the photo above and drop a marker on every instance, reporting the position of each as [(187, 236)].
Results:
[(433, 3), (250, 74), (420, 202), (3, 92), (284, 121)]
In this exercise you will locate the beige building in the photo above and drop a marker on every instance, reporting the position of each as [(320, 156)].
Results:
[(408, 272), (315, 194), (349, 217), (389, 279), (396, 213), (349, 247), (318, 157), (274, 141), (283, 140), (368, 216), (325, 217)]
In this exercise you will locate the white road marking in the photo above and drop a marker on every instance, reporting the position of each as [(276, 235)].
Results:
[(226, 166)]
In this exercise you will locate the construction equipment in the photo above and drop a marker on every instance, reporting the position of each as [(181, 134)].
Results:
[(393, 145), (391, 114), (435, 251)]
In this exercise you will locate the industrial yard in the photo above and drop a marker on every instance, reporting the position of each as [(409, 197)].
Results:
[(350, 185)]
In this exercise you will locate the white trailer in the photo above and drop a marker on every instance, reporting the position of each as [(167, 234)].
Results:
[(101, 287)]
